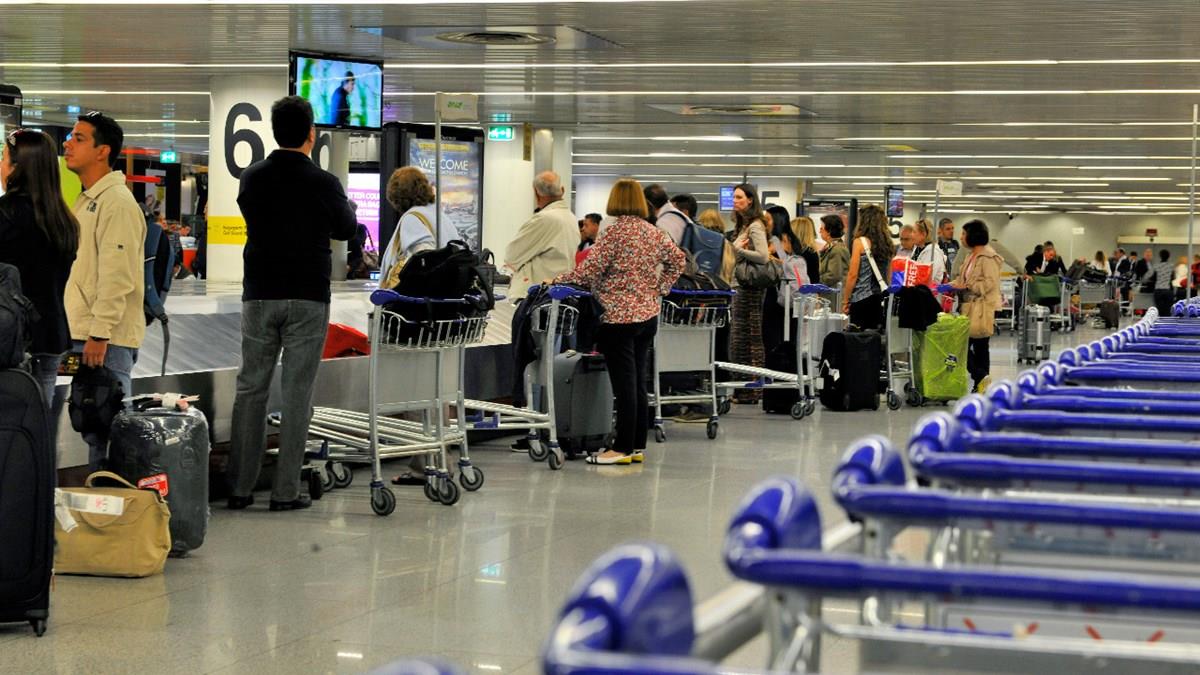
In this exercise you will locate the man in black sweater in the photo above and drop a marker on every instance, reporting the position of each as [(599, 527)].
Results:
[(292, 209)]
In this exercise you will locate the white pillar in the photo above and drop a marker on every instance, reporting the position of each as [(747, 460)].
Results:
[(787, 189), (564, 142), (332, 153), (591, 194), (239, 135), (507, 192)]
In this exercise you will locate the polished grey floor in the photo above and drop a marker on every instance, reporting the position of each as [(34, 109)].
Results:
[(338, 589)]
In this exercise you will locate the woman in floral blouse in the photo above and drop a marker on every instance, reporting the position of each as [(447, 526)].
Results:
[(629, 269)]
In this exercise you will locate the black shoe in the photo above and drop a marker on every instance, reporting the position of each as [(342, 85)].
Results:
[(521, 445), (239, 503), (301, 502)]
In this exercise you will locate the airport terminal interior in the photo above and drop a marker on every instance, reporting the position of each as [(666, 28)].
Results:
[(1045, 520)]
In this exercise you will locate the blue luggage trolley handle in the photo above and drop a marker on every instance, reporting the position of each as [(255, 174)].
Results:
[(774, 539), (561, 292), (384, 296), (865, 486)]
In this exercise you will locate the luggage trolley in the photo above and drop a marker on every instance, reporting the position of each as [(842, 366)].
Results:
[(415, 366), (1006, 316), (765, 378), (898, 342), (551, 322), (687, 342)]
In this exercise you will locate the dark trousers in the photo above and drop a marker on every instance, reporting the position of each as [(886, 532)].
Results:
[(979, 359), (626, 349), (1163, 299), (868, 312)]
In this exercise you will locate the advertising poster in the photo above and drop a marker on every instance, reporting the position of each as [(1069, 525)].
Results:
[(461, 171), (363, 189)]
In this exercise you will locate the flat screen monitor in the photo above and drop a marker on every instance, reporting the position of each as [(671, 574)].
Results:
[(894, 197), (345, 92), (726, 197)]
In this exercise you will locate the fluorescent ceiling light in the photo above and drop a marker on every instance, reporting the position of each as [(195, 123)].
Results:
[(22, 65), (776, 93), (778, 64), (687, 154), (906, 139), (1071, 124), (166, 135), (162, 121), (105, 92), (723, 138), (936, 155)]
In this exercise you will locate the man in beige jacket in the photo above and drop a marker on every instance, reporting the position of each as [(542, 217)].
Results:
[(104, 292), (545, 245)]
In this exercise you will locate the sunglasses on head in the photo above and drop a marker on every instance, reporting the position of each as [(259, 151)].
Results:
[(11, 139)]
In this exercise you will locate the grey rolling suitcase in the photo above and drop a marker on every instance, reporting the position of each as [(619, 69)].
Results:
[(1033, 334), (820, 323), (167, 449), (583, 402)]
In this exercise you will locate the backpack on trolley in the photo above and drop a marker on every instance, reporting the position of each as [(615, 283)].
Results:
[(453, 272)]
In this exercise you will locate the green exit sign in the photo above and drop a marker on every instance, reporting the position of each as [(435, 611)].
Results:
[(502, 133), (169, 157)]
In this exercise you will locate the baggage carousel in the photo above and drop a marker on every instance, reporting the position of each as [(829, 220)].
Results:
[(205, 353)]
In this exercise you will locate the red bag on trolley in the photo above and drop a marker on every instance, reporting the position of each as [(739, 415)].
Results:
[(907, 272)]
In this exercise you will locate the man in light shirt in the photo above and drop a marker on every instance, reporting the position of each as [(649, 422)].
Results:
[(666, 216)]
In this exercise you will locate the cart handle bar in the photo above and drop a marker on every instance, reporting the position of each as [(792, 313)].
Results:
[(774, 539), (561, 291), (385, 296)]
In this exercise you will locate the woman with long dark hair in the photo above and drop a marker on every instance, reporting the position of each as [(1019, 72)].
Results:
[(749, 243), (39, 236), (866, 284)]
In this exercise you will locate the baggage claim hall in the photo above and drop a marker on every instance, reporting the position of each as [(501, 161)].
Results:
[(670, 336)]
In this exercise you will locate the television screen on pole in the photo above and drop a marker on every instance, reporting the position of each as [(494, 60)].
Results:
[(894, 197), (345, 92)]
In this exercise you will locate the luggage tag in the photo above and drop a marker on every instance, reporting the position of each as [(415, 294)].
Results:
[(66, 501), (158, 482)]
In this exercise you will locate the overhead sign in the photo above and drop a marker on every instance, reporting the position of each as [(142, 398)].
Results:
[(726, 197), (458, 107), (1151, 232), (503, 134), (73, 110), (1078, 230), (949, 188), (169, 157)]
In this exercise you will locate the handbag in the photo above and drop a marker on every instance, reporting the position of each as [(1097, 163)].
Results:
[(755, 275), (981, 316), (111, 531)]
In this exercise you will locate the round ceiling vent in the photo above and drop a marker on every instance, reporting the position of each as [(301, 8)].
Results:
[(497, 38)]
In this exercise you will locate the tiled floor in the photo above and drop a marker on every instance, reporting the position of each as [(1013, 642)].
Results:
[(338, 589)]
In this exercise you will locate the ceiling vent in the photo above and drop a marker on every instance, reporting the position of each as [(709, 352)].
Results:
[(735, 109), (507, 37), (497, 38)]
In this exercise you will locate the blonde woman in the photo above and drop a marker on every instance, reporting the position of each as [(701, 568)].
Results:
[(711, 219)]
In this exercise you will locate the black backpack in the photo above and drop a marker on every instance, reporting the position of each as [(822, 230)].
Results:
[(159, 271), (96, 398), (453, 271), (17, 317)]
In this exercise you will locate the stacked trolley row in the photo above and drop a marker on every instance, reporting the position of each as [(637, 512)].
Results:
[(1062, 536), (415, 368), (686, 342), (550, 324), (804, 305)]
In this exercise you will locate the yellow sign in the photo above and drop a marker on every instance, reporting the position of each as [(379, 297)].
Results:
[(227, 230)]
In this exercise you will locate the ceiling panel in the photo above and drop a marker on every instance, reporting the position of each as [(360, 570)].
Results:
[(915, 50)]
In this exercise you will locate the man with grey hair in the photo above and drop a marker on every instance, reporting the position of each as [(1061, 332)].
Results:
[(545, 245), (905, 249)]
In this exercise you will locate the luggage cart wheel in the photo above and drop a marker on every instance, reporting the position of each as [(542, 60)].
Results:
[(430, 493), (798, 410), (555, 460), (810, 407), (326, 478), (893, 401), (712, 427), (471, 478), (316, 486), (724, 406), (342, 475), (39, 626), (448, 493), (660, 435), (383, 502), (537, 450), (915, 399)]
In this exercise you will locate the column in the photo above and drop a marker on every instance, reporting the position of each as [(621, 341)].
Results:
[(239, 135), (507, 191), (332, 153)]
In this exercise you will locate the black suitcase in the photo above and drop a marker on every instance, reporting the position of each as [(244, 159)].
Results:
[(583, 402), (783, 359), (26, 501), (850, 370), (166, 449)]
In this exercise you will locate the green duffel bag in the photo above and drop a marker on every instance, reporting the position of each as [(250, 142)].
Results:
[(941, 355), (1044, 287)]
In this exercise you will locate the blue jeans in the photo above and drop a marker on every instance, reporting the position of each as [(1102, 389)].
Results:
[(120, 361), (297, 329), (45, 371)]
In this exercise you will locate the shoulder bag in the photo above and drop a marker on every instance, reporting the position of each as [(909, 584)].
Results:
[(750, 274), (111, 531), (398, 258)]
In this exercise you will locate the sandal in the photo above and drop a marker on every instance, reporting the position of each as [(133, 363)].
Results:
[(408, 479), (609, 457)]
